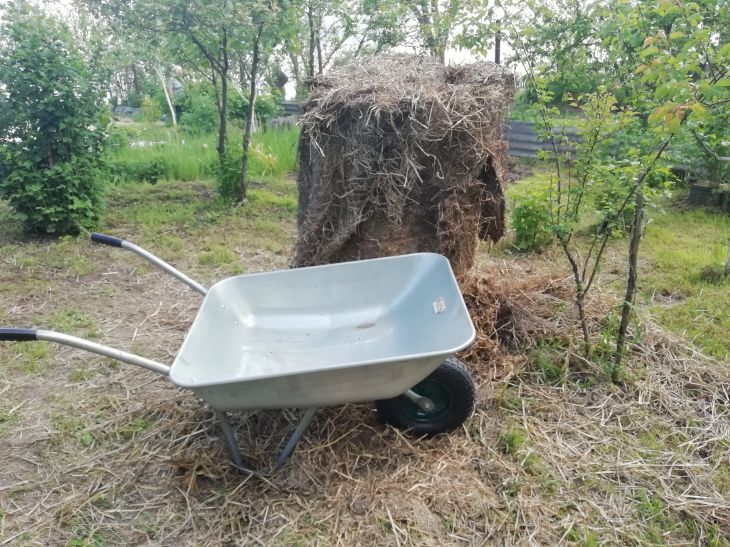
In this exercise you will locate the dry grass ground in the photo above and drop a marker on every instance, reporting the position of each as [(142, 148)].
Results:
[(98, 453)]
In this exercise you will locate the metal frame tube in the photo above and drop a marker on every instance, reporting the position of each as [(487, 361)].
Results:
[(164, 266), (295, 437), (230, 436), (423, 402), (100, 349)]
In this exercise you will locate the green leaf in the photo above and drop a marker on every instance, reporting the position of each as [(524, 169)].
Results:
[(699, 110), (674, 124), (724, 82)]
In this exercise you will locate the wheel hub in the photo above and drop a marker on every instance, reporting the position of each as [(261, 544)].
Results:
[(439, 396)]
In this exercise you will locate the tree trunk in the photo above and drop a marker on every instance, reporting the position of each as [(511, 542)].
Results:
[(320, 64), (498, 44), (628, 304), (223, 107), (243, 180), (135, 80), (173, 117), (580, 296), (637, 224), (312, 41), (293, 57)]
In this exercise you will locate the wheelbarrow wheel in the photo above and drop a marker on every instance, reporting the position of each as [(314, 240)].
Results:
[(450, 387)]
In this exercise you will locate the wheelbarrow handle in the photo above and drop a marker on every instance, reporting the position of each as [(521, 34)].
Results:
[(106, 240), (31, 335), (161, 264), (18, 335)]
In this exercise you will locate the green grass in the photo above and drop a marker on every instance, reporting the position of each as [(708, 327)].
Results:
[(274, 153), (167, 154), (73, 322), (679, 245), (682, 256), (29, 358), (170, 154)]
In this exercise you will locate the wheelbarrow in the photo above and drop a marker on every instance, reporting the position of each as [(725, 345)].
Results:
[(382, 330)]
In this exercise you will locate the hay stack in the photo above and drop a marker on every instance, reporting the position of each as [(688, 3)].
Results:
[(402, 154)]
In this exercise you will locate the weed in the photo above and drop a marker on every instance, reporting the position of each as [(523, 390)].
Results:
[(507, 399), (217, 255), (714, 273), (73, 322), (655, 515), (31, 358), (93, 540), (79, 375), (530, 220), (722, 477), (130, 430), (512, 440), (585, 538), (9, 414), (70, 427), (551, 367)]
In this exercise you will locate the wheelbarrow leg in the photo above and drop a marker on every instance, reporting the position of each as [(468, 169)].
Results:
[(295, 437), (230, 437)]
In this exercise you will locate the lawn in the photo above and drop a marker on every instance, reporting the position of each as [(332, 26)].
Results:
[(99, 453), (683, 250)]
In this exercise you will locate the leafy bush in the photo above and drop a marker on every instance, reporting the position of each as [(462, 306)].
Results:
[(51, 125), (151, 109), (531, 221), (200, 114), (267, 107), (116, 139)]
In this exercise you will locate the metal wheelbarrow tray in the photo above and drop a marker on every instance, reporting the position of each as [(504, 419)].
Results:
[(374, 330)]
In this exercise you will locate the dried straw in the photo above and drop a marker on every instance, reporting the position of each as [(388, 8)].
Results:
[(402, 154)]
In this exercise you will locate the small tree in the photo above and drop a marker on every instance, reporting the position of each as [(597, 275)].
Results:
[(672, 71), (50, 125)]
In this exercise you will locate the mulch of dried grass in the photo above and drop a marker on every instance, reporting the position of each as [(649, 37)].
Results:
[(126, 458)]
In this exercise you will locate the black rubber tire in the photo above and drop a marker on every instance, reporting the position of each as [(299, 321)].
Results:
[(453, 382)]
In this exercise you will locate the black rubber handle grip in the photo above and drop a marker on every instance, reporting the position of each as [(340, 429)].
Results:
[(17, 335), (107, 240)]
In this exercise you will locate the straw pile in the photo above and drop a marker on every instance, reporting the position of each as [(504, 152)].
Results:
[(402, 154)]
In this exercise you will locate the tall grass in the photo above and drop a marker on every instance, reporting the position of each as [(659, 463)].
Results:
[(152, 152), (274, 153)]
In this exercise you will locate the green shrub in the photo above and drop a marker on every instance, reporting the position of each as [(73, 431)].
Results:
[(227, 174), (51, 125), (117, 140), (531, 221), (151, 110), (267, 107), (200, 114)]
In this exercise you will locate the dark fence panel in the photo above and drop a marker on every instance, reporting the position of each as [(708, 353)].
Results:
[(524, 142)]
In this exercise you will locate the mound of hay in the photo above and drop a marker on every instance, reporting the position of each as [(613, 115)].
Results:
[(402, 154)]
